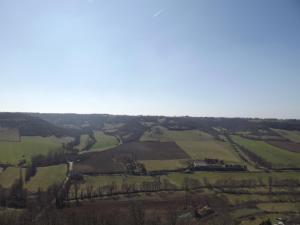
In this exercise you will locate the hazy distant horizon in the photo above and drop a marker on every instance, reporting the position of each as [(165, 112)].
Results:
[(210, 58), (156, 115)]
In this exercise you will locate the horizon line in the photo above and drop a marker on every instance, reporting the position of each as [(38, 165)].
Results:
[(156, 115)]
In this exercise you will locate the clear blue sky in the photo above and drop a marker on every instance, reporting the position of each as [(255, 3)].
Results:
[(155, 57)]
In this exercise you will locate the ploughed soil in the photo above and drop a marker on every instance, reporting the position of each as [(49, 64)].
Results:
[(287, 145), (111, 161)]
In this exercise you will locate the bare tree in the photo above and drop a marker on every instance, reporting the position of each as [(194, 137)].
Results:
[(76, 189)]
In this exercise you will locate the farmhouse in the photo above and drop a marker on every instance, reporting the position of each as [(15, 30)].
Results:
[(216, 165), (199, 163)]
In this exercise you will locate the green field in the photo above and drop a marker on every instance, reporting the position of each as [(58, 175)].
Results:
[(12, 152), (8, 176), (278, 157), (178, 178), (104, 141), (236, 199), (47, 176), (279, 207), (84, 139), (212, 177), (293, 136), (118, 180), (209, 149), (44, 177), (245, 212), (197, 144), (156, 165)]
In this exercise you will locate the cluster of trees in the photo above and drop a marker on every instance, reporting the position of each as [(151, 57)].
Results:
[(131, 131), (266, 222), (30, 171), (134, 215), (69, 146), (52, 158), (41, 211), (90, 191), (227, 185), (134, 167), (15, 196), (90, 142)]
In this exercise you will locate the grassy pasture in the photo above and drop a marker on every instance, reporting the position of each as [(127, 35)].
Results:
[(46, 176), (212, 177), (279, 207), (235, 199), (8, 176), (178, 178), (293, 136), (104, 141), (84, 138), (209, 149), (156, 165), (118, 180), (12, 152), (244, 212), (278, 157), (197, 144)]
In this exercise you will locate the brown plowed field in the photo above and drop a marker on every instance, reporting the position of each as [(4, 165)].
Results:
[(287, 145), (110, 161)]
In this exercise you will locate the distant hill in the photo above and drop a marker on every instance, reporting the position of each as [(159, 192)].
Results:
[(34, 126), (130, 128)]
